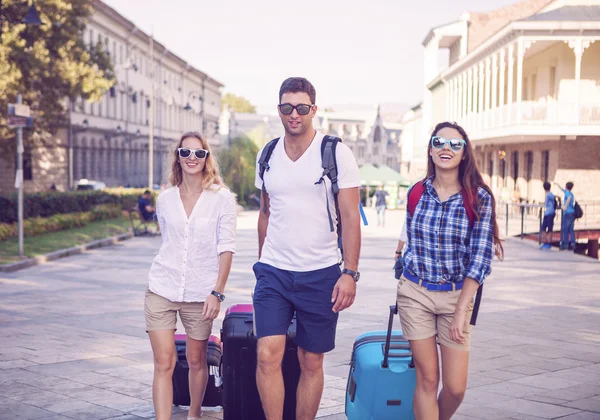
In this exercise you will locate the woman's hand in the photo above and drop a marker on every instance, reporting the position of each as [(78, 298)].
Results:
[(212, 307), (456, 327)]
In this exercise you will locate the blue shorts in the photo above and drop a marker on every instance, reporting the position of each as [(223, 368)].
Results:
[(278, 293), (548, 223)]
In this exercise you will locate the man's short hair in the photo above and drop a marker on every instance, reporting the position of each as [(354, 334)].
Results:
[(298, 84), (547, 186), (569, 186), (147, 192)]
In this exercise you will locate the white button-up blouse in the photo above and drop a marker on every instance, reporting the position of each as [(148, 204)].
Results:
[(187, 265)]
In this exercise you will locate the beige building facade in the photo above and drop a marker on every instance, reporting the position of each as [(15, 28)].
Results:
[(109, 141), (524, 82)]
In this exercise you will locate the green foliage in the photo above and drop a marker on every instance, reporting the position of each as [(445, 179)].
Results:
[(237, 103), (238, 167), (50, 203), (40, 225), (48, 63)]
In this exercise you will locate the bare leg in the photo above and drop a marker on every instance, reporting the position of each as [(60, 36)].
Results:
[(163, 347), (428, 378), (196, 358), (455, 368), (269, 378), (310, 387)]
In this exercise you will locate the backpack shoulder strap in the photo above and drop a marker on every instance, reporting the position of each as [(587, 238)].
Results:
[(263, 163), (329, 161), (330, 170), (414, 196)]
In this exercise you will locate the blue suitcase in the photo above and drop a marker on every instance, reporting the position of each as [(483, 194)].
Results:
[(382, 379)]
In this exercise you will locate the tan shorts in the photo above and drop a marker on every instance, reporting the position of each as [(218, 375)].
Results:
[(425, 313), (161, 314)]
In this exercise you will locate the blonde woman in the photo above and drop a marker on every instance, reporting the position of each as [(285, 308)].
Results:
[(197, 218)]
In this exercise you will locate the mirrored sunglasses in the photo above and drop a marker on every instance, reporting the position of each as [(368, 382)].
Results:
[(438, 142)]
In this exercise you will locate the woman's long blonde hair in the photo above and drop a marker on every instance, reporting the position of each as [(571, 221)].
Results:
[(210, 173)]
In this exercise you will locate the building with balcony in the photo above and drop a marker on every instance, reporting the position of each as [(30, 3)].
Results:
[(524, 82), (109, 141)]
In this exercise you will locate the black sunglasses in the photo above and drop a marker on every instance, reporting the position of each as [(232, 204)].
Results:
[(287, 109), (186, 152), (438, 142)]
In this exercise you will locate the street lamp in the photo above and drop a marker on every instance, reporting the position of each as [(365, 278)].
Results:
[(188, 107)]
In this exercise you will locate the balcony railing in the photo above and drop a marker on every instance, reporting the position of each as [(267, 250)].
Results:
[(533, 113)]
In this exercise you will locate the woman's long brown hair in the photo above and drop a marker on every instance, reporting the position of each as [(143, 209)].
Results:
[(470, 179), (210, 173)]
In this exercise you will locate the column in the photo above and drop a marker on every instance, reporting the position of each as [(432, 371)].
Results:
[(494, 108), (459, 89), (578, 46), (447, 85), (481, 94), (520, 54), (465, 84), (469, 95), (487, 92), (501, 99), (511, 65)]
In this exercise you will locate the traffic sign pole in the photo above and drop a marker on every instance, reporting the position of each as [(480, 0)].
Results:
[(19, 181)]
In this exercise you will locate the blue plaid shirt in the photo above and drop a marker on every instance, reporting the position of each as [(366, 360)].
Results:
[(442, 246)]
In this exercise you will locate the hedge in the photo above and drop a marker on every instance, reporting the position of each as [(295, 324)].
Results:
[(40, 225), (48, 204)]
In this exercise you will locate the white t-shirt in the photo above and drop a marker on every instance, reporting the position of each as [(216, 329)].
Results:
[(187, 265), (298, 235)]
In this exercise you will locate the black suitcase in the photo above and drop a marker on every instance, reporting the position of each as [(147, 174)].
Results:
[(241, 400), (181, 384)]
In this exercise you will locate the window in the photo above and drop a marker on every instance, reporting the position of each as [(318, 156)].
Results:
[(552, 82), (491, 164), (528, 165), (375, 150), (503, 172), (515, 163), (545, 165), (533, 87), (361, 152), (27, 165), (377, 135), (524, 89)]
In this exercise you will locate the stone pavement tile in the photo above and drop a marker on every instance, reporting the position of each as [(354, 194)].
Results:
[(18, 363), (532, 408), (547, 400), (337, 383), (479, 397), (505, 375), (334, 417), (66, 368), (52, 383), (334, 394), (15, 390), (9, 375), (125, 417), (510, 389), (583, 415), (572, 393), (486, 412), (93, 413), (587, 404), (547, 381), (328, 411), (87, 378), (476, 380), (55, 417), (526, 370), (21, 411)]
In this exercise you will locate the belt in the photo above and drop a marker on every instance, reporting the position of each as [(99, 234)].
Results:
[(436, 287)]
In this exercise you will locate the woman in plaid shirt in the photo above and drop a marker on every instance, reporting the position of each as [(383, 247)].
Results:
[(447, 258)]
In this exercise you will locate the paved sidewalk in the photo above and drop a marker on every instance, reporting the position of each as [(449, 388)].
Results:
[(73, 344)]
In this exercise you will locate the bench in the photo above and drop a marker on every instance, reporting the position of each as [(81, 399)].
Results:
[(139, 225)]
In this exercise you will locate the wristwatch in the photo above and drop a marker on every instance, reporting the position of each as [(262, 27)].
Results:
[(219, 296), (354, 274)]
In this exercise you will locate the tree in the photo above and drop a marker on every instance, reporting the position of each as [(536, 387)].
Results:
[(238, 167), (237, 103), (49, 63)]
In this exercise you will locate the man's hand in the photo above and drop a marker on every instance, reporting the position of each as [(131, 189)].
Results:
[(212, 307), (343, 293)]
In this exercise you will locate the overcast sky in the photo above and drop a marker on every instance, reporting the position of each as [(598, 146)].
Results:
[(353, 51)]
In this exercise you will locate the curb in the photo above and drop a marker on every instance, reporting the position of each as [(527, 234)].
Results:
[(61, 253)]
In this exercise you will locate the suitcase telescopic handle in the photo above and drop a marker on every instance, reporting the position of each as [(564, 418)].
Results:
[(388, 338)]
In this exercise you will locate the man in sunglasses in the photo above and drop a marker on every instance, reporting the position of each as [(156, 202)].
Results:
[(299, 265)]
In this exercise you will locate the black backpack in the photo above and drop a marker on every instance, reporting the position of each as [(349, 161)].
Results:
[(578, 211), (329, 165)]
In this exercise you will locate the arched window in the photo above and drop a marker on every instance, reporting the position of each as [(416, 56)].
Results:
[(377, 135)]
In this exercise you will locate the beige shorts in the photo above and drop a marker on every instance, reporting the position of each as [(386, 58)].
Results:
[(161, 314), (426, 313)]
